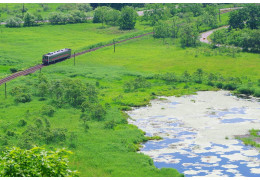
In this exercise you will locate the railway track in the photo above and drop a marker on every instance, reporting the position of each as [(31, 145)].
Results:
[(39, 66)]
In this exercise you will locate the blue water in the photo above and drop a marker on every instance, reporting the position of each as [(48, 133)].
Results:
[(235, 120), (186, 153), (228, 111)]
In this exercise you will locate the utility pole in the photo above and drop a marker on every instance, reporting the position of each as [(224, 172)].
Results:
[(23, 9), (5, 92), (114, 45), (74, 58), (219, 16)]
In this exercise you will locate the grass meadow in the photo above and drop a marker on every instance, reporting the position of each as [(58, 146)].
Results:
[(23, 47), (99, 150)]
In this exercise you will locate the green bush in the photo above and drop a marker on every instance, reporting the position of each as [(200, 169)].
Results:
[(210, 83), (135, 84), (23, 98), (36, 162), (14, 70), (245, 90), (110, 124), (230, 86), (219, 85), (128, 18), (257, 92), (13, 22), (48, 110), (22, 123)]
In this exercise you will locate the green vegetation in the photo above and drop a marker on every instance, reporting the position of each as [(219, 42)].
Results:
[(252, 139), (81, 107), (36, 162), (243, 29), (23, 47), (40, 11), (128, 18)]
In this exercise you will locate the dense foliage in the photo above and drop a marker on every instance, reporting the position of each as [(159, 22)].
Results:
[(248, 16), (36, 162), (106, 15), (128, 18), (246, 38), (13, 22)]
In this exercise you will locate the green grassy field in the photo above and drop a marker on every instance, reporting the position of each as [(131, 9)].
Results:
[(102, 151), (23, 47), (110, 152)]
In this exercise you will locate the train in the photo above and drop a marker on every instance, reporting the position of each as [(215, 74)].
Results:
[(55, 56)]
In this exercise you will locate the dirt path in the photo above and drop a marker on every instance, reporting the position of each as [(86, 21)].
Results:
[(205, 35)]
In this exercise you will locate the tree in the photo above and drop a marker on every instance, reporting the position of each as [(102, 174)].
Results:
[(100, 14), (189, 35), (13, 22), (162, 30), (210, 17), (128, 18), (36, 162), (29, 19), (219, 37), (196, 9), (57, 18), (156, 13), (248, 16), (77, 16), (236, 19), (85, 7), (112, 17), (253, 16)]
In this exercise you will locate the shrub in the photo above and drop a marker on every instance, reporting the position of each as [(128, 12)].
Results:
[(29, 19), (257, 92), (36, 162), (10, 133), (14, 70), (219, 85), (128, 18), (57, 18), (22, 123), (13, 22), (210, 83), (84, 7), (98, 112), (245, 90), (135, 84), (48, 110), (110, 124), (77, 16), (100, 14), (23, 98), (230, 86)]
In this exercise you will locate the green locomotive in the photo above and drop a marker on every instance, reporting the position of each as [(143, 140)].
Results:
[(56, 56)]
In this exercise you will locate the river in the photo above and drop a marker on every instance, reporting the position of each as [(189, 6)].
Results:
[(198, 133)]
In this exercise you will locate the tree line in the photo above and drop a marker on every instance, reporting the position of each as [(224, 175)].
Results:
[(125, 19), (243, 31)]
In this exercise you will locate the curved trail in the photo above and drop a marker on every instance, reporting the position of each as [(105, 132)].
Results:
[(39, 66), (205, 35)]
